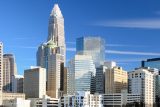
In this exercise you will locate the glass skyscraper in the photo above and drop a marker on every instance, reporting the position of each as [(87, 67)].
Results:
[(93, 46), (81, 73), (152, 63)]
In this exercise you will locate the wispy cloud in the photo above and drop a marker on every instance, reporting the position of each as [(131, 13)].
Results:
[(132, 53), (21, 38), (72, 43), (129, 60), (28, 59), (71, 49), (131, 23), (114, 45), (24, 47), (123, 52), (123, 45), (122, 63)]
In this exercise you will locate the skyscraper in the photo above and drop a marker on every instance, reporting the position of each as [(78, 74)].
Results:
[(1, 71), (54, 75), (93, 46), (9, 69), (56, 38), (100, 79), (51, 54), (152, 63), (81, 73)]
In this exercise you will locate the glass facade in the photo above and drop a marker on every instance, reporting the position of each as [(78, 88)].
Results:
[(81, 72), (152, 63), (93, 46)]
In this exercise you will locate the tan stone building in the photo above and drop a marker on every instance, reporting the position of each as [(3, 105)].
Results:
[(116, 79), (35, 82), (65, 80), (9, 69)]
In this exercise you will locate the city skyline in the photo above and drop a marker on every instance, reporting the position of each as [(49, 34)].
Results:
[(129, 37)]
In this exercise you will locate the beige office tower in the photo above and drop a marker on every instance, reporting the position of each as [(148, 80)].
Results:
[(9, 69), (116, 80), (65, 80), (1, 71), (51, 54), (6, 75), (54, 75), (35, 82)]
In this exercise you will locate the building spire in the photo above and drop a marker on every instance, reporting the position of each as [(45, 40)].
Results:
[(55, 21), (56, 12)]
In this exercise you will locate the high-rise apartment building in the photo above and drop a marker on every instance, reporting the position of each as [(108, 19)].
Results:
[(9, 69), (51, 55), (141, 81), (17, 83), (116, 80), (35, 82), (81, 74), (93, 46), (1, 71)]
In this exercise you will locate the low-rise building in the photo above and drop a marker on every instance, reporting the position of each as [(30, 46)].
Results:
[(18, 102), (46, 101), (82, 99), (12, 96), (120, 99)]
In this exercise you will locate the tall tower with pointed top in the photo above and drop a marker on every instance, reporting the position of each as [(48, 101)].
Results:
[(56, 28), (51, 55)]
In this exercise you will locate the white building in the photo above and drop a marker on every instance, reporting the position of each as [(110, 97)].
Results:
[(18, 102), (81, 74), (142, 81), (46, 101), (120, 99), (110, 64), (14, 100), (17, 83), (35, 82), (82, 99)]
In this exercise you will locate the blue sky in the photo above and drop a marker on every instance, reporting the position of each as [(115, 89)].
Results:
[(131, 28)]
